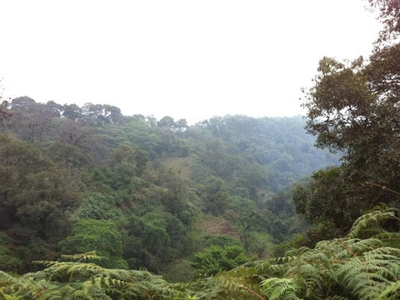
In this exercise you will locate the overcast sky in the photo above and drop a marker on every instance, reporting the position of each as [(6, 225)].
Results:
[(186, 59)]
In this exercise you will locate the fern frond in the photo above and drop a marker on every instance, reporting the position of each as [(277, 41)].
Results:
[(368, 275), (336, 297), (356, 247), (87, 256), (280, 288), (82, 294), (368, 225), (392, 292), (391, 239)]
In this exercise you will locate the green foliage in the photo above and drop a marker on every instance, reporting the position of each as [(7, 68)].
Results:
[(138, 190), (280, 146), (319, 200), (222, 240), (100, 235), (362, 265), (37, 198), (280, 288), (8, 261), (5, 113), (215, 196), (81, 280), (148, 184), (353, 109), (215, 259), (153, 179), (98, 206), (155, 233)]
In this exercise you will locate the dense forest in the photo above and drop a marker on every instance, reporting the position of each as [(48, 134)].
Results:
[(98, 205), (146, 193)]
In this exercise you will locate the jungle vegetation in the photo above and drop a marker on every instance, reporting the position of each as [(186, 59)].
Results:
[(146, 193), (98, 205)]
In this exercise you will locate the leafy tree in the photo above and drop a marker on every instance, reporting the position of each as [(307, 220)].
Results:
[(389, 14), (5, 113), (72, 112), (54, 109), (36, 196), (166, 121), (74, 133), (99, 235), (123, 164), (155, 234), (281, 204), (32, 120), (137, 131), (101, 115), (176, 196), (246, 217), (222, 240), (353, 109), (44, 202), (320, 200), (254, 178), (126, 163), (137, 158), (70, 157), (215, 196), (8, 261)]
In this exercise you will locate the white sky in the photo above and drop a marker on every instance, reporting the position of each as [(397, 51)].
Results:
[(186, 59)]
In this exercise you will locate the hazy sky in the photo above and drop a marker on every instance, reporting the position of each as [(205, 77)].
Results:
[(186, 59)]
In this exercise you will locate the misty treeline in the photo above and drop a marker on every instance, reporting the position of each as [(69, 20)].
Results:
[(97, 205), (145, 193)]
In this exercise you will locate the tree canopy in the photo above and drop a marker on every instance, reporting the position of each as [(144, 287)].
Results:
[(353, 109)]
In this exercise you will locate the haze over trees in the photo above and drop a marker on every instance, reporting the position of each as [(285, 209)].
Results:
[(144, 192), (209, 206)]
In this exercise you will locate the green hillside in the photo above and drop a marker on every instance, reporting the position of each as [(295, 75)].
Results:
[(98, 205), (145, 193)]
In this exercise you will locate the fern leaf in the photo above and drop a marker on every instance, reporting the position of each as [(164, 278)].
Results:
[(368, 225), (87, 256), (280, 288), (392, 292)]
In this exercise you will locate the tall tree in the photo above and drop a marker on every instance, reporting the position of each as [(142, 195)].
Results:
[(354, 108), (389, 14), (36, 197), (4, 105), (5, 113)]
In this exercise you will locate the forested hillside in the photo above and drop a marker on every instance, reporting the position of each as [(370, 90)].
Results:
[(145, 193), (97, 205)]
